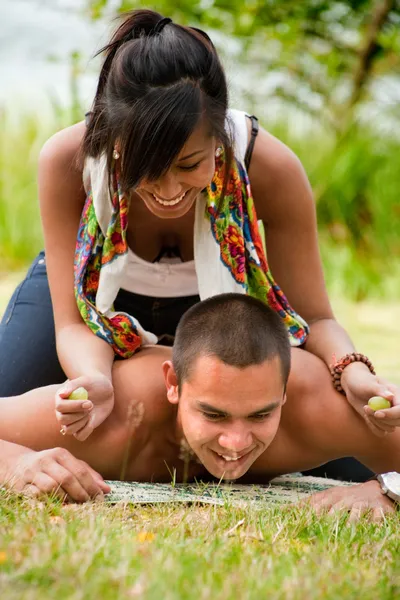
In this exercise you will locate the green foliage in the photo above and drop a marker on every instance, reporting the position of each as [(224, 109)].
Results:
[(20, 231), (328, 51)]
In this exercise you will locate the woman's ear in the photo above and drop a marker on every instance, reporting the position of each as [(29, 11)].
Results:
[(171, 382)]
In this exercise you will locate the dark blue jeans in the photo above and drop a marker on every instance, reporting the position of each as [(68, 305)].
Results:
[(28, 357)]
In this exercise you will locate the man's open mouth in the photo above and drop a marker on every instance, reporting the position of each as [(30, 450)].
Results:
[(223, 459)]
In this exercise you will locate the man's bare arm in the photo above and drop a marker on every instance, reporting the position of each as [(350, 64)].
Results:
[(32, 461)]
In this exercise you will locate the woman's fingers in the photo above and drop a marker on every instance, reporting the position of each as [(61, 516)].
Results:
[(66, 420), (384, 423), (84, 433), (69, 412), (76, 426), (72, 406)]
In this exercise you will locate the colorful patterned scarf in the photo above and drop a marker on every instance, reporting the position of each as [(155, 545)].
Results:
[(228, 249)]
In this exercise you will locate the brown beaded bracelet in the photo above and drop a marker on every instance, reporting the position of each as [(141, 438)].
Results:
[(339, 366)]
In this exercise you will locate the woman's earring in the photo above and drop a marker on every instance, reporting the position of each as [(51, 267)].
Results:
[(116, 154), (218, 152)]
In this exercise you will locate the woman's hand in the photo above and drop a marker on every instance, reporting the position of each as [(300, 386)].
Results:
[(80, 417), (360, 385), (55, 472)]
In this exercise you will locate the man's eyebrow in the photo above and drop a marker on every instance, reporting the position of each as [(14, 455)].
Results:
[(208, 408), (211, 409), (267, 409), (190, 155)]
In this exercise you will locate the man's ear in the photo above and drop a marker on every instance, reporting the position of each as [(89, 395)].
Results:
[(171, 382)]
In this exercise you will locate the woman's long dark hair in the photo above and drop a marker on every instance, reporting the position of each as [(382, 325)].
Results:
[(153, 89)]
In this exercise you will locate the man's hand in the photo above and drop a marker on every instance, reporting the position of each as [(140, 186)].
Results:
[(80, 417), (360, 385), (356, 499), (55, 472)]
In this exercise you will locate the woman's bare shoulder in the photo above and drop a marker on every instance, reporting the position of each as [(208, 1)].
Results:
[(278, 179), (62, 148), (272, 161)]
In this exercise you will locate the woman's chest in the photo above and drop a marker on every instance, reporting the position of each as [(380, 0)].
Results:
[(148, 234)]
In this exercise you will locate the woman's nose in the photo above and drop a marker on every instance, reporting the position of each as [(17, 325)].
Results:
[(168, 187)]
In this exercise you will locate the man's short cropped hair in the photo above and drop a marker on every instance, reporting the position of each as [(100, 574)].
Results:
[(239, 330)]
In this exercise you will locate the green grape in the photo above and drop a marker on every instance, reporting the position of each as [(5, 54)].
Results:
[(378, 403), (79, 394)]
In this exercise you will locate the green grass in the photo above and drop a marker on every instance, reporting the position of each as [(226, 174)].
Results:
[(174, 552)]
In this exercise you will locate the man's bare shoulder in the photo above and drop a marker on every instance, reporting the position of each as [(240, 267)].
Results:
[(139, 386), (325, 425)]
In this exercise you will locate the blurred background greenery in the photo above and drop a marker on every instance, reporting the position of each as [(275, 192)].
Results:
[(322, 75)]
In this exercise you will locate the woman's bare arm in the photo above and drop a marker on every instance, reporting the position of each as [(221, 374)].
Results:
[(284, 201), (62, 197)]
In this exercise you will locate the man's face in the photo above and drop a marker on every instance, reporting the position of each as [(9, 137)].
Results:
[(228, 416)]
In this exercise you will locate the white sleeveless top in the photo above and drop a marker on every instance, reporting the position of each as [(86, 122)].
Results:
[(170, 277)]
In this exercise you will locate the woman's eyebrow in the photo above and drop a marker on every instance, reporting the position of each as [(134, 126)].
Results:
[(190, 155)]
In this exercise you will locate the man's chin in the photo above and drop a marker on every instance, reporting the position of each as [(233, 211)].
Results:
[(227, 474)]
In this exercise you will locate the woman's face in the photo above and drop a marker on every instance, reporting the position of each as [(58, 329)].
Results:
[(173, 194)]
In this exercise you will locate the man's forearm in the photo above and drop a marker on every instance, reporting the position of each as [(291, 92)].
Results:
[(82, 353)]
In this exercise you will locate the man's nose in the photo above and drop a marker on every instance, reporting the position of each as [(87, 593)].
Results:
[(236, 439), (168, 187)]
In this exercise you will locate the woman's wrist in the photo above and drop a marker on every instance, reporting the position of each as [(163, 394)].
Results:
[(94, 356), (353, 369)]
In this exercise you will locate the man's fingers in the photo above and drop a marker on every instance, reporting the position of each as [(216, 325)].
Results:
[(98, 479), (356, 512), (77, 479), (73, 406), (45, 486), (31, 490)]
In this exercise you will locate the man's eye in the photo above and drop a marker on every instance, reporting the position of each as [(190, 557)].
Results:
[(213, 416), (191, 168), (260, 417)]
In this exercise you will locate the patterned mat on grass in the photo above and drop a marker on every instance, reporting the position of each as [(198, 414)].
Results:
[(285, 489)]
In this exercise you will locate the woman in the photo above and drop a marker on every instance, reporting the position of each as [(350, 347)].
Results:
[(155, 183)]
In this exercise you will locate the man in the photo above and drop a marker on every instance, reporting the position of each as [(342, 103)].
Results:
[(217, 404)]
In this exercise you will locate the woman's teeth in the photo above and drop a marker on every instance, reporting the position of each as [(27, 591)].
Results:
[(169, 202)]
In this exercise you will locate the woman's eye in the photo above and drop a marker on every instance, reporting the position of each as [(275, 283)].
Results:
[(191, 168)]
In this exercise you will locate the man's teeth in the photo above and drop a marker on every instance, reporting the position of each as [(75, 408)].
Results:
[(228, 458), (169, 202)]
